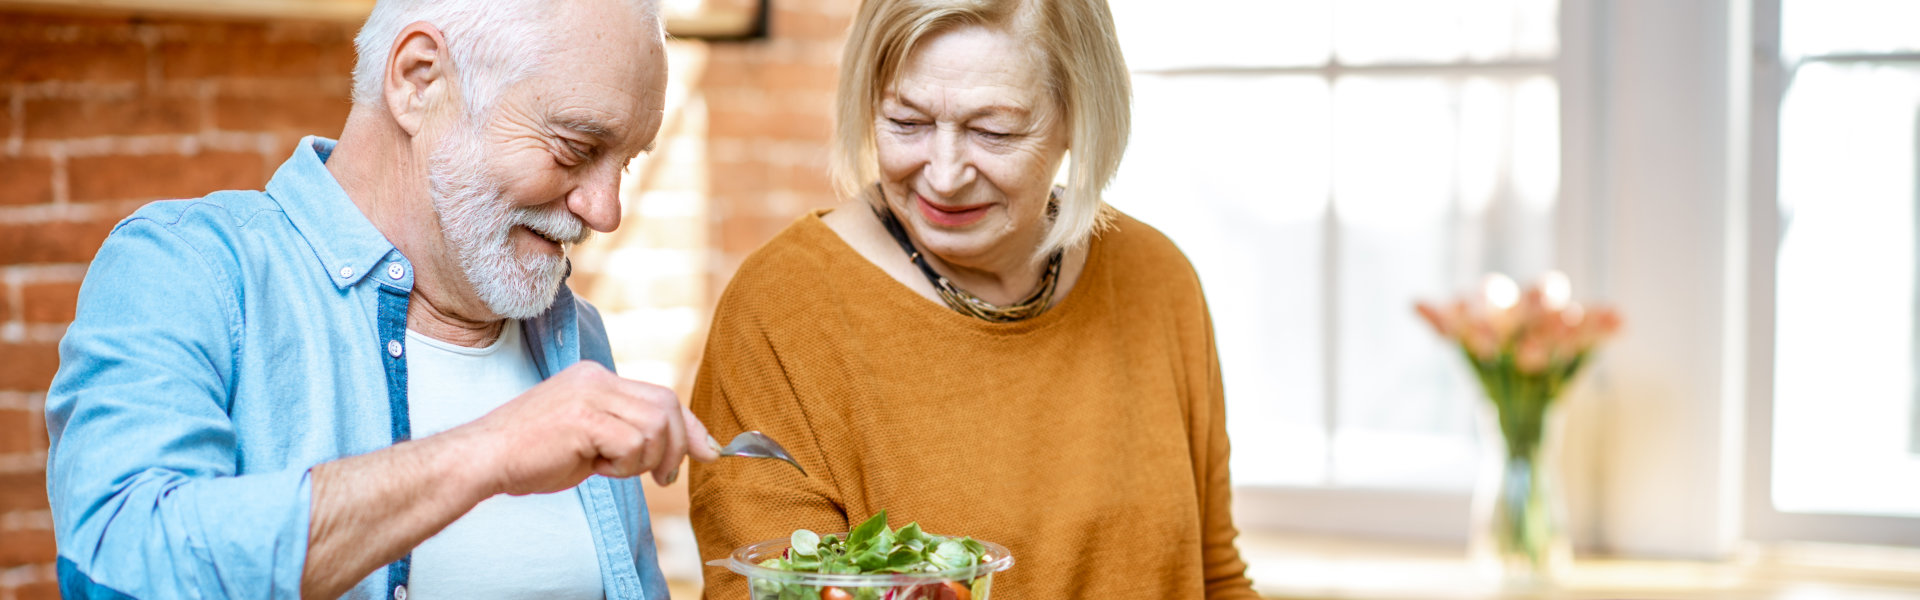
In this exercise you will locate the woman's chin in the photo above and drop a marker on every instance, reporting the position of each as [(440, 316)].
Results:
[(962, 249)]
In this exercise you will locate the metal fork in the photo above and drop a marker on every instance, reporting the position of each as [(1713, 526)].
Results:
[(754, 444)]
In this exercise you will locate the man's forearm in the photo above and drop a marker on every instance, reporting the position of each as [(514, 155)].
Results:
[(372, 509)]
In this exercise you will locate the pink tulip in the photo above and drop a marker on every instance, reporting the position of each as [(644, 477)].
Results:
[(1532, 304), (1572, 315), (1483, 341), (1539, 325), (1532, 355), (1610, 321), (1442, 323)]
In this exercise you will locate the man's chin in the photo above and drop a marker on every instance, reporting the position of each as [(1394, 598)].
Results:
[(522, 299)]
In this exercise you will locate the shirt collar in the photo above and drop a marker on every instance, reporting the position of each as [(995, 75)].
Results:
[(343, 240)]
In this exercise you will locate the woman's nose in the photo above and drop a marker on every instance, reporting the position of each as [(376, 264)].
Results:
[(950, 168)]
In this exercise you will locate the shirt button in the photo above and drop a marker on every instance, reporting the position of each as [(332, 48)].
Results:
[(346, 272), (395, 271), (400, 592), (394, 348)]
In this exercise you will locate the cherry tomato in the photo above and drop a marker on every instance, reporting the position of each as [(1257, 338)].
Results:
[(834, 593), (960, 590)]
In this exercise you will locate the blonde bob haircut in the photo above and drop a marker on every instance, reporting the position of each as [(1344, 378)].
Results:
[(1073, 40)]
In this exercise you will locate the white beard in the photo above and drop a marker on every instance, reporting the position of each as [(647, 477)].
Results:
[(476, 219)]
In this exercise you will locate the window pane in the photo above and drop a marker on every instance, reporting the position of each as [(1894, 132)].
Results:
[(1223, 33), (1241, 186), (1848, 26), (1431, 192), (1844, 330), (1441, 31)]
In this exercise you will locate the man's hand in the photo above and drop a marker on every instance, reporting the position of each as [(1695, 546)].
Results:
[(582, 421), (372, 509)]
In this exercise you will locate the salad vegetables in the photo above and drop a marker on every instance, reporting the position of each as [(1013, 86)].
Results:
[(875, 548)]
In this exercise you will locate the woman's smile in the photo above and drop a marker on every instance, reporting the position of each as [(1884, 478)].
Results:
[(951, 216)]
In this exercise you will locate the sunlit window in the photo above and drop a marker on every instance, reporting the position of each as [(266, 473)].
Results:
[(1324, 164), (1846, 423)]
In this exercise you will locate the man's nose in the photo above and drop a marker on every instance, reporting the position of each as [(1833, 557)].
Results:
[(950, 168), (596, 200)]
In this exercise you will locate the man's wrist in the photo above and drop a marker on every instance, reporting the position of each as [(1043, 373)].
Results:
[(463, 463)]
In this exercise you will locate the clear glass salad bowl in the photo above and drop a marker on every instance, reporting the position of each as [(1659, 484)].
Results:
[(974, 582)]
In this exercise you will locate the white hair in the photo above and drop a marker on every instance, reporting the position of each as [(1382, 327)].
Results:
[(493, 43), (476, 219)]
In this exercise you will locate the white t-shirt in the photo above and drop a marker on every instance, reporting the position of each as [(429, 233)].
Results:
[(535, 546)]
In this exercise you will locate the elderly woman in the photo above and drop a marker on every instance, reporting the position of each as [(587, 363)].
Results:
[(969, 346)]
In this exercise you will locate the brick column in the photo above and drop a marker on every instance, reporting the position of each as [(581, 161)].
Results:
[(97, 117), (101, 115)]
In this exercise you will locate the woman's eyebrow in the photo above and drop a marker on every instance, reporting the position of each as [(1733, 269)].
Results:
[(984, 111)]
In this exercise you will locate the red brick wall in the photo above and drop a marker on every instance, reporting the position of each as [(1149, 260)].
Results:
[(770, 115), (99, 115)]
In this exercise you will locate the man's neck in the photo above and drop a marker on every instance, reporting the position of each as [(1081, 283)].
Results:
[(424, 316), (375, 165)]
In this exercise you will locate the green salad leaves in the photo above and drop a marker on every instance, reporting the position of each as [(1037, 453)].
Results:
[(899, 562), (875, 548)]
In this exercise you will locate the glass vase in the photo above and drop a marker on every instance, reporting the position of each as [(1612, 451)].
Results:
[(1519, 536)]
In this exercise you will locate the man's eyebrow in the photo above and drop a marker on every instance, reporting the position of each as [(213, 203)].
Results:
[(587, 126), (594, 128)]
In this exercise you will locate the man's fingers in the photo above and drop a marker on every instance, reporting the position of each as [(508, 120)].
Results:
[(676, 439), (621, 444), (657, 411), (701, 445), (605, 468)]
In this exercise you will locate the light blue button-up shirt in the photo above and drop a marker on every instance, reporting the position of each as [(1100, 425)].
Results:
[(223, 347)]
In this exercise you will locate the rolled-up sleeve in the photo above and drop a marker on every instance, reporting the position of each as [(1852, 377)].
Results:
[(144, 471)]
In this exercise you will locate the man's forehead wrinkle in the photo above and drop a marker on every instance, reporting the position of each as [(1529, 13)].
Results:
[(585, 125)]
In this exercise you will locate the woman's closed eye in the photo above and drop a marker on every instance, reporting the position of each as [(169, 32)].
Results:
[(991, 135)]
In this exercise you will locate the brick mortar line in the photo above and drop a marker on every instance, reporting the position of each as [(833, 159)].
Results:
[(230, 86), (27, 274), (29, 401), (23, 462), (14, 577), (203, 104), (16, 124), (189, 144), (62, 187), (149, 39), (81, 212), (43, 333), (271, 86), (16, 302), (27, 520), (59, 90)]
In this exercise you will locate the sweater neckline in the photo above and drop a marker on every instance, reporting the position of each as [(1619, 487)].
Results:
[(1092, 276)]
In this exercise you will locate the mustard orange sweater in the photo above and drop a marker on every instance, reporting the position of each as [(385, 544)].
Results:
[(1090, 440)]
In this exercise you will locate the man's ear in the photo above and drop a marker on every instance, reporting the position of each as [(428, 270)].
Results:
[(419, 75)]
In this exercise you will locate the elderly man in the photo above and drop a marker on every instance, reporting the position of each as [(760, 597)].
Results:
[(369, 379)]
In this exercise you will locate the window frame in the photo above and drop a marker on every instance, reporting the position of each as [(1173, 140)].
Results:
[(1772, 76), (1443, 515)]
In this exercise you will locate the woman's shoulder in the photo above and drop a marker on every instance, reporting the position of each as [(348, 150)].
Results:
[(1140, 250), (796, 257), (801, 271)]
